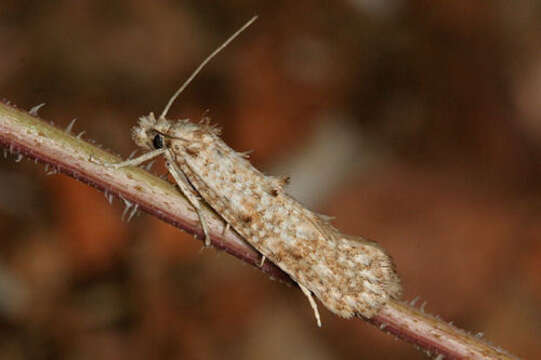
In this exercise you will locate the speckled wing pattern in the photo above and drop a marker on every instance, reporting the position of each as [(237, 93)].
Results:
[(348, 274)]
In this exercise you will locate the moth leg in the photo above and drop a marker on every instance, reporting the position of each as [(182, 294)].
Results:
[(263, 258), (312, 303), (184, 186), (132, 162), (226, 228)]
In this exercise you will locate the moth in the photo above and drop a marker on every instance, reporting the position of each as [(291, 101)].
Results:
[(349, 275)]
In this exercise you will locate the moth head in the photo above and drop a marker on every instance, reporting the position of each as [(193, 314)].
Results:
[(152, 134), (149, 133)]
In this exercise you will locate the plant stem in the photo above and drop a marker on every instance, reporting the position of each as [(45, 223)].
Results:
[(25, 134)]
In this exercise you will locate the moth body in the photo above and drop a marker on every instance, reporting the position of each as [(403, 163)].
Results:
[(349, 275)]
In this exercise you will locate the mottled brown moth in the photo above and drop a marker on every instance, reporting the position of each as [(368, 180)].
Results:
[(349, 275)]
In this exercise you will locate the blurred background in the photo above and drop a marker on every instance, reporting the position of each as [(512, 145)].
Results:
[(415, 123)]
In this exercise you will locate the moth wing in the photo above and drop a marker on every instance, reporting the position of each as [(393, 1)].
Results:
[(367, 276)]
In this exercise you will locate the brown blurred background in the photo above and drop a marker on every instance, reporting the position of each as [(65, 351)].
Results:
[(415, 123)]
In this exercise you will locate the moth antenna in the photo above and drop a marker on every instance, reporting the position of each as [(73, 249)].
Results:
[(213, 54)]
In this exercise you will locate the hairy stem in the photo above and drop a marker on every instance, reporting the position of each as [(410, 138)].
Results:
[(22, 133)]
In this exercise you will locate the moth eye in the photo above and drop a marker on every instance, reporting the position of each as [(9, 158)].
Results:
[(157, 142)]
